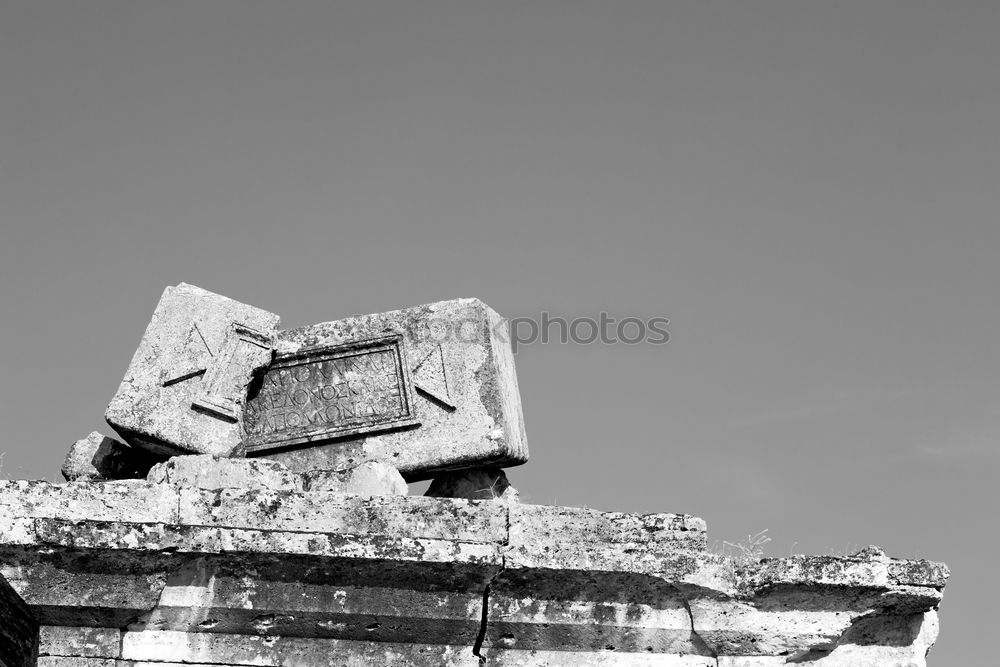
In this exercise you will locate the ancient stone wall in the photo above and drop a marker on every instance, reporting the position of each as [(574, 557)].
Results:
[(159, 573)]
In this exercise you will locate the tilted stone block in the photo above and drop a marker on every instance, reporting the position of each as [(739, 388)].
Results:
[(425, 389), (99, 458), (185, 388)]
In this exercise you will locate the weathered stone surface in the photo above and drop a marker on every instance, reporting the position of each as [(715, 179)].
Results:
[(893, 641), (55, 640), (209, 472), (883, 641), (475, 484), (862, 568), (326, 512), (368, 479), (127, 500), (352, 653), (268, 577), (18, 629), (273, 651), (578, 538), (427, 389), (99, 458), (808, 606), (186, 385)]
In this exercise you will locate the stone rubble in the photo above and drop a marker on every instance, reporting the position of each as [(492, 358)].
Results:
[(98, 458)]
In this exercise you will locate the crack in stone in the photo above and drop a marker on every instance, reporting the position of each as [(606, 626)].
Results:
[(485, 618), (697, 640), (483, 623), (144, 616)]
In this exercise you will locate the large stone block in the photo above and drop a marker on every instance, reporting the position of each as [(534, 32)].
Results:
[(425, 389), (185, 388)]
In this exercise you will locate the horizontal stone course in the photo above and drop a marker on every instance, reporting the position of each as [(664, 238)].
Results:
[(367, 654), (128, 500), (329, 512), (274, 651), (85, 642), (209, 472), (856, 570), (401, 579)]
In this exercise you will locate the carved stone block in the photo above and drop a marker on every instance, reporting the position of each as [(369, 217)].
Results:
[(425, 389), (186, 386)]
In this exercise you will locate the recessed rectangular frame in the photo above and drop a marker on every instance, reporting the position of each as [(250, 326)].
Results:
[(298, 436)]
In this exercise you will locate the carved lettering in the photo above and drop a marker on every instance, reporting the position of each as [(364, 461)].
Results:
[(331, 393)]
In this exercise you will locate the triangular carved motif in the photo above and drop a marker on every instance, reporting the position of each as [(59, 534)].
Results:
[(429, 377)]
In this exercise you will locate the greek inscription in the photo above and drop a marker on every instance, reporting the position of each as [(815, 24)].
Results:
[(331, 393)]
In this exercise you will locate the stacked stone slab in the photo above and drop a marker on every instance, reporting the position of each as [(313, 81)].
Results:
[(257, 514), (170, 573)]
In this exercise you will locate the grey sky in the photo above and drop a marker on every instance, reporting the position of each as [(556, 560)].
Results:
[(809, 191)]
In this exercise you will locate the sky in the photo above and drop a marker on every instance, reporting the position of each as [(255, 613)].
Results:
[(809, 191)]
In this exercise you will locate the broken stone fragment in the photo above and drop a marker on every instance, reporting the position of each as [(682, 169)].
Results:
[(427, 389), (184, 391), (211, 473), (368, 479), (871, 551), (475, 484), (98, 458)]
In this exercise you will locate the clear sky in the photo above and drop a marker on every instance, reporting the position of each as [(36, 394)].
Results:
[(809, 191)]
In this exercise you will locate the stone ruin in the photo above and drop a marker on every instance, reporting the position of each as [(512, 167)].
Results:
[(255, 512)]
